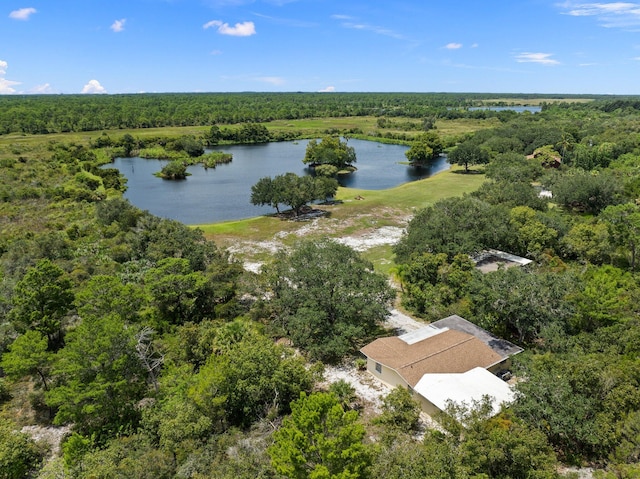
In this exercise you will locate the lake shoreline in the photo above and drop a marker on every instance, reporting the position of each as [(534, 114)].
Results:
[(223, 194)]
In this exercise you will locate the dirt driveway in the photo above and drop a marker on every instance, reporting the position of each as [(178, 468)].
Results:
[(369, 390)]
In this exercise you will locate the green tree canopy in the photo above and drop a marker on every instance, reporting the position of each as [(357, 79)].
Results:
[(511, 194), (104, 294), (292, 190), (331, 150), (41, 300), (500, 447), (467, 154), (513, 167), (425, 147), (178, 293), (174, 170), (400, 411), (532, 236), (431, 283), (608, 295), (19, 455), (455, 225), (320, 440), (327, 298), (585, 191), (252, 380), (577, 400), (29, 355), (100, 378), (516, 301), (623, 223), (589, 242), (403, 457)]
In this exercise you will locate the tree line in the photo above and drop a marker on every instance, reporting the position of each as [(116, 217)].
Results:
[(42, 114)]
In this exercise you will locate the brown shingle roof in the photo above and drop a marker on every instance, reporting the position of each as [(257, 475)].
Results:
[(448, 352)]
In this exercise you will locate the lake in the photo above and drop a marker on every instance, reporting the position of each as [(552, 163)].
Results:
[(517, 109), (223, 193)]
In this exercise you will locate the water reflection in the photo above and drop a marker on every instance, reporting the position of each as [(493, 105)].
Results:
[(224, 193)]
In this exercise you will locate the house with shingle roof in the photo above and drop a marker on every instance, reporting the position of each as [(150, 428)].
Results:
[(451, 359)]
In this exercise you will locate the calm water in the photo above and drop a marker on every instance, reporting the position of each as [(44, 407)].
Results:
[(517, 109), (223, 193)]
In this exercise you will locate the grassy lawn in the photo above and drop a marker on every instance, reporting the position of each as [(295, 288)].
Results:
[(309, 127), (355, 213), (369, 125)]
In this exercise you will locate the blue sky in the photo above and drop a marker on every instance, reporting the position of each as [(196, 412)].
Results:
[(501, 46)]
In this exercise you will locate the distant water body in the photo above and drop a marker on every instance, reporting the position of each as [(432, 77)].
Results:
[(517, 109), (223, 193)]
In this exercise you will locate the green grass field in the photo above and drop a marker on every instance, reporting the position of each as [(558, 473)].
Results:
[(355, 212), (309, 127)]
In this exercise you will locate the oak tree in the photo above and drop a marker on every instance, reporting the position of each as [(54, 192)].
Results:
[(327, 298)]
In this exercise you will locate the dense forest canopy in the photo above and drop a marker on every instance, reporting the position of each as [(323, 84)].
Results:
[(154, 353), (41, 114)]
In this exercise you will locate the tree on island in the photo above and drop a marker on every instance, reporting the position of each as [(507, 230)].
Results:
[(424, 147), (467, 154), (330, 151), (174, 170), (292, 190)]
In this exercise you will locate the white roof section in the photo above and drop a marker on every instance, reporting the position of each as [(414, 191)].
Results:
[(418, 335), (465, 388), (512, 258)]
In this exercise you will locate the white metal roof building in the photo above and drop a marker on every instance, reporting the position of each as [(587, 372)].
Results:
[(467, 387)]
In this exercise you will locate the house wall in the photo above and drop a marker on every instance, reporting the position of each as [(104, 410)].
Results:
[(391, 378), (426, 405), (386, 375)]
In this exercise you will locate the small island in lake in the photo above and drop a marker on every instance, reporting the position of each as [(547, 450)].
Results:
[(174, 170)]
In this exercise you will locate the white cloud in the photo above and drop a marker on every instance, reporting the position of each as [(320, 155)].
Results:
[(475, 45), (93, 87), (22, 13), (453, 46), (353, 23), (244, 29), (329, 89), (272, 80), (216, 52), (41, 89), (542, 58), (610, 14), (118, 25), (374, 28), (6, 86)]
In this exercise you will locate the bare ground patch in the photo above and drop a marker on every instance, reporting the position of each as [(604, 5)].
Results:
[(317, 225)]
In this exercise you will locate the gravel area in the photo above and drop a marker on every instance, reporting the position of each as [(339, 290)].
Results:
[(51, 436)]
